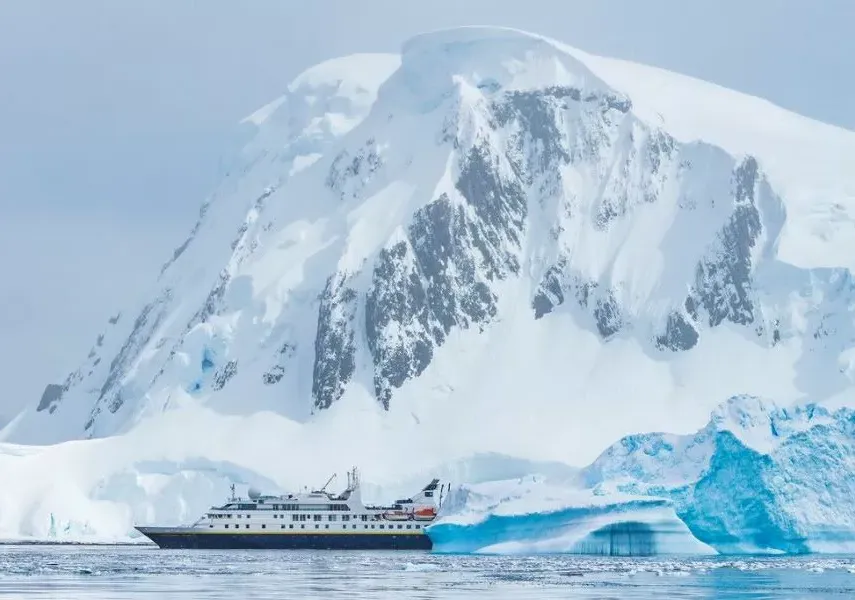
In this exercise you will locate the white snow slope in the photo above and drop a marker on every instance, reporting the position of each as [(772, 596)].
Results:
[(492, 243)]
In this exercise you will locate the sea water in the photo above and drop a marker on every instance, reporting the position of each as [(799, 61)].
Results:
[(116, 572)]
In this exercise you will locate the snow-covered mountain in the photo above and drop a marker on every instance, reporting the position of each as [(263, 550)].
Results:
[(491, 242)]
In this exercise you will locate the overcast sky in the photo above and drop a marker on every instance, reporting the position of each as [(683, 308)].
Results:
[(115, 116)]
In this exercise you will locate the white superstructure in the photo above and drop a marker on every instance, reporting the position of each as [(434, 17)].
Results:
[(319, 511)]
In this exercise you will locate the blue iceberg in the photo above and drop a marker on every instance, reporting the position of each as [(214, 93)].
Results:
[(613, 527), (758, 478)]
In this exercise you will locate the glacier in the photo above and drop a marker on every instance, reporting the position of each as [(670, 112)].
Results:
[(487, 256)]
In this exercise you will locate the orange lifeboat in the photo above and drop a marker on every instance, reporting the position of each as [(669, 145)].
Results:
[(425, 513), (396, 515)]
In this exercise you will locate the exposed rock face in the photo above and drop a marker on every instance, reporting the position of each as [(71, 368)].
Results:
[(440, 277), (50, 396), (222, 376), (723, 281), (679, 334), (334, 345)]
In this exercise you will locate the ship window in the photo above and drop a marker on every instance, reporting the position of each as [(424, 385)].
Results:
[(326, 526), (290, 526), (275, 516), (211, 525), (263, 526), (365, 526), (418, 526), (247, 525), (295, 517), (364, 517), (227, 525), (317, 526), (400, 526), (409, 526), (372, 527), (382, 527), (332, 518), (318, 517), (302, 526), (345, 517), (248, 516), (240, 516)]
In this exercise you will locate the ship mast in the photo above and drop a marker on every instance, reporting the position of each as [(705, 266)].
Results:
[(328, 482)]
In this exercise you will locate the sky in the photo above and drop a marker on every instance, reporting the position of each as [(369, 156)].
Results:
[(116, 119)]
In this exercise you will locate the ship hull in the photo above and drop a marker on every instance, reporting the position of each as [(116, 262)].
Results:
[(194, 539)]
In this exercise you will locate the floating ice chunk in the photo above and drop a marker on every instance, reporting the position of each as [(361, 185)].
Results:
[(524, 517)]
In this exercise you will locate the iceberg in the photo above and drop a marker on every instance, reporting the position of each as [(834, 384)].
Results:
[(531, 517), (758, 478)]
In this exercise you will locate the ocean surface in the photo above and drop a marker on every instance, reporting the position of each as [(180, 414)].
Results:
[(117, 572)]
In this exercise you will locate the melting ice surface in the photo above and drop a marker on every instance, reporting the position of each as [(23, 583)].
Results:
[(133, 572)]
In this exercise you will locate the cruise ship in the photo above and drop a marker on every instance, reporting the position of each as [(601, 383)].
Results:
[(315, 520)]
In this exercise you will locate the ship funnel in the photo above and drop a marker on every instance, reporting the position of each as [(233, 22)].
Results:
[(253, 493)]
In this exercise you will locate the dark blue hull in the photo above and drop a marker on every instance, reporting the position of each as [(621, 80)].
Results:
[(168, 537)]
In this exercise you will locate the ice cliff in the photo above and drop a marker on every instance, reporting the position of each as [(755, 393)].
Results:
[(758, 478)]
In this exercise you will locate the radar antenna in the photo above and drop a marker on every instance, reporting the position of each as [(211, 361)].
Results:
[(233, 498)]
